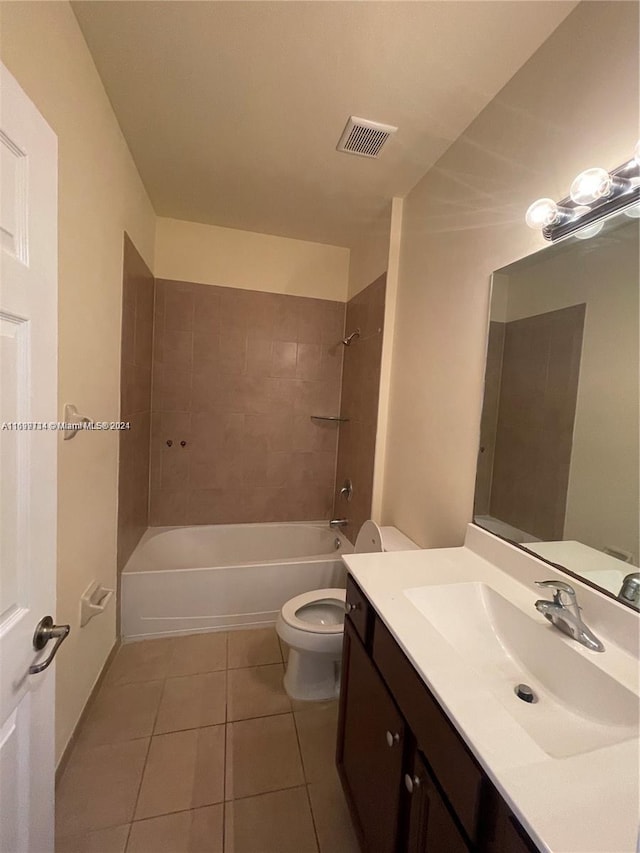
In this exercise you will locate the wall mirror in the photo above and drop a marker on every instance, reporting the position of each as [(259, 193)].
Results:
[(558, 467)]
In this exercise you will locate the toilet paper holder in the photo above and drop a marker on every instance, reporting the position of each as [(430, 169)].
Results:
[(93, 601)]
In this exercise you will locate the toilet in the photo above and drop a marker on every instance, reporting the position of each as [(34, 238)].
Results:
[(312, 625)]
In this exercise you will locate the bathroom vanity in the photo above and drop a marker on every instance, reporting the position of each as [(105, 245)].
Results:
[(437, 753)]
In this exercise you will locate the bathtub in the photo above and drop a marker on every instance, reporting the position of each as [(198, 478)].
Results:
[(222, 576)]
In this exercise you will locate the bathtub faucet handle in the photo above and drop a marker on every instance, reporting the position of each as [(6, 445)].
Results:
[(347, 490), (336, 523)]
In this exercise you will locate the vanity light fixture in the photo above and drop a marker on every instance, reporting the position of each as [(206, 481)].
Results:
[(595, 195)]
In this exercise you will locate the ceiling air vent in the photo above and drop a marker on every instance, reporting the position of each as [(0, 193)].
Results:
[(364, 137)]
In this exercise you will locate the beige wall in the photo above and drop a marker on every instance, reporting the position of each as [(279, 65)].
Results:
[(386, 357), (571, 106), (100, 195), (369, 257), (208, 254)]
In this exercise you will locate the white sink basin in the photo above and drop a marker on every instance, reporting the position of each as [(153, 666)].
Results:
[(579, 707)]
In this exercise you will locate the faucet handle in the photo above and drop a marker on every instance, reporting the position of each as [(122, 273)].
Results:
[(560, 588)]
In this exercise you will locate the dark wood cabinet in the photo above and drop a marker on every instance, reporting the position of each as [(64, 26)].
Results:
[(508, 836), (411, 783), (370, 748), (430, 826), (359, 610)]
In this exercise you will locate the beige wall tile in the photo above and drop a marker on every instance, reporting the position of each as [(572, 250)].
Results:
[(536, 413), (178, 310), (174, 389), (262, 755), (273, 823), (284, 358), (195, 831), (360, 390), (135, 401), (260, 362), (177, 348), (232, 353), (207, 310), (184, 770), (259, 355), (192, 701), (168, 506)]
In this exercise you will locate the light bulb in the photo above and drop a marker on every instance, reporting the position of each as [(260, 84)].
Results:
[(589, 231), (541, 213), (636, 153), (591, 185), (633, 212)]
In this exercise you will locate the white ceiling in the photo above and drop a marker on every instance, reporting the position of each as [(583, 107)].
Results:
[(232, 110)]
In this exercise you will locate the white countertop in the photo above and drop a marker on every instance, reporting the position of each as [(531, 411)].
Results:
[(586, 803), (598, 567)]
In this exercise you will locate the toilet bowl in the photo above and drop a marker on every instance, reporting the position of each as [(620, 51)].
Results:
[(312, 625)]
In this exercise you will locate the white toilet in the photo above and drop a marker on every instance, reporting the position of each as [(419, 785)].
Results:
[(311, 625)]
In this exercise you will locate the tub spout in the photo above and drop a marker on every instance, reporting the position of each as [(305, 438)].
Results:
[(336, 523)]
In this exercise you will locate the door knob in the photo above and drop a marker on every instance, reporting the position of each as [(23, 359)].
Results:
[(350, 606), (392, 739), (411, 782), (45, 631)]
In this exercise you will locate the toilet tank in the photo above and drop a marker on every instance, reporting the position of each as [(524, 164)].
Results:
[(395, 540), (373, 539)]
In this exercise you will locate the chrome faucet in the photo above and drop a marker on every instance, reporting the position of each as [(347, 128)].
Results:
[(336, 523), (630, 591), (564, 613)]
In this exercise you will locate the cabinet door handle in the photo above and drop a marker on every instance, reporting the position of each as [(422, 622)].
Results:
[(411, 782), (392, 739), (350, 606)]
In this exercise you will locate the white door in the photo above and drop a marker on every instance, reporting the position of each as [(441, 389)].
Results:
[(28, 380)]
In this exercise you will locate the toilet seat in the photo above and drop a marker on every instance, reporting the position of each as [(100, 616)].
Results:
[(334, 598)]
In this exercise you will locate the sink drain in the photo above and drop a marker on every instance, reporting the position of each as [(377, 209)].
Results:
[(524, 692)]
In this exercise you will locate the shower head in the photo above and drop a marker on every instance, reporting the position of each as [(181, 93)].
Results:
[(347, 341)]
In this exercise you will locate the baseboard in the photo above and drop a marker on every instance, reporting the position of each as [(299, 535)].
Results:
[(64, 758)]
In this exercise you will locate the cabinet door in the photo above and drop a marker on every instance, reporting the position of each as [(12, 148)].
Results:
[(370, 746), (431, 829), (508, 835)]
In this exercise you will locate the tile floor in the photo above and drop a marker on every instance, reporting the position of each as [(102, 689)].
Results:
[(192, 745)]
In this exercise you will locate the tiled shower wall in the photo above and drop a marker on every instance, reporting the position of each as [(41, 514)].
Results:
[(489, 423), (536, 414), (135, 401), (237, 375), (360, 391)]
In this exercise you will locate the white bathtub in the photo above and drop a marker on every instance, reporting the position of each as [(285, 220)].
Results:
[(222, 576)]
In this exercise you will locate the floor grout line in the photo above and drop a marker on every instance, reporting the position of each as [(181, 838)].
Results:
[(306, 783), (226, 738), (267, 793), (176, 811), (144, 766), (227, 799)]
